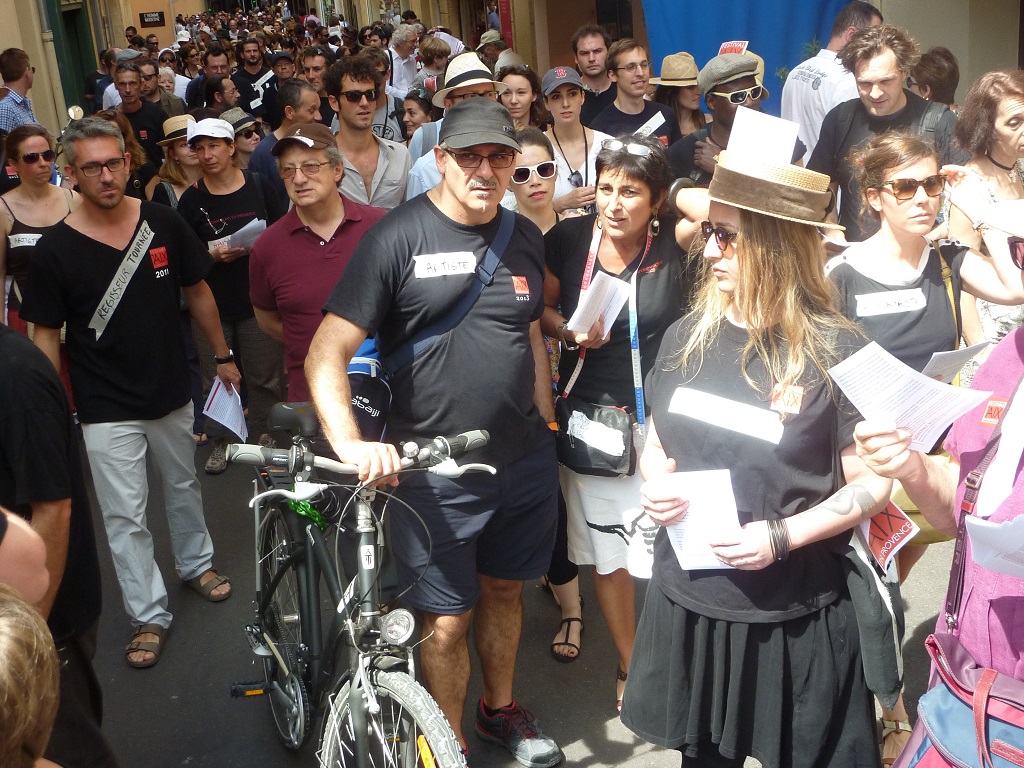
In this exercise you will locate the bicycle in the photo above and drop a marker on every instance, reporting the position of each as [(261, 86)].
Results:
[(361, 672)]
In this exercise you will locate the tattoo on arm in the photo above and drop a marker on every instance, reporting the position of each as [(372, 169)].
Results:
[(854, 498)]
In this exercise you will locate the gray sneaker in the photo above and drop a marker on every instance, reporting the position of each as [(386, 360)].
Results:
[(218, 460), (514, 728)]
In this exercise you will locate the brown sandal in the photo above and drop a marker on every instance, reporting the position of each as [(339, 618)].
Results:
[(148, 646), (895, 735), (205, 589)]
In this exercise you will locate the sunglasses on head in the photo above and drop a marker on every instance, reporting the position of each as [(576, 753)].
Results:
[(722, 236), (576, 179), (33, 157), (905, 189), (354, 97), (614, 145), (738, 97), (544, 170)]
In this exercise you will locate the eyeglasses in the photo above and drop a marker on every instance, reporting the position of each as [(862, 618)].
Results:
[(614, 145), (147, 78), (905, 189), (474, 95), (544, 170), (310, 168), (215, 230), (33, 157), (355, 97), (473, 160), (722, 236), (113, 165), (911, 82), (246, 133), (633, 66), (738, 97)]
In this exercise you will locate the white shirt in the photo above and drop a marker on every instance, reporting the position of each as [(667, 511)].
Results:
[(812, 89), (111, 98), (588, 173), (180, 85), (403, 72)]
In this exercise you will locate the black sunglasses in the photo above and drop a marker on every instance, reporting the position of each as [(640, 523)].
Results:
[(166, 61), (33, 157), (354, 97), (905, 189), (1016, 251), (245, 133), (722, 236)]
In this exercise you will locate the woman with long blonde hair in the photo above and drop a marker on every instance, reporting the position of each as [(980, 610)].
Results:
[(748, 644)]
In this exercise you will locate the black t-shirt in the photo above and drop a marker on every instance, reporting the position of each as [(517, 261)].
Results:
[(224, 215), (768, 480), (480, 375), (137, 368), (615, 122), (252, 89), (148, 124), (663, 289), (39, 462), (137, 182), (596, 103), (834, 146), (680, 155), (327, 114), (910, 321)]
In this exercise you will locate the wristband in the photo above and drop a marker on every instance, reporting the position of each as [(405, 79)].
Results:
[(230, 358)]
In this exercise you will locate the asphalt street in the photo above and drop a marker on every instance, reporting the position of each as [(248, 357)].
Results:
[(180, 713)]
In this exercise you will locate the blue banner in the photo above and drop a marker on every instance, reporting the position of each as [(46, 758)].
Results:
[(779, 31)]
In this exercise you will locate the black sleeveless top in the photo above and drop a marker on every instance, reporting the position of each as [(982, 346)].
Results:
[(20, 243)]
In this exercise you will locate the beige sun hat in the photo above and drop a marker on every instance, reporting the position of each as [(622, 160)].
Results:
[(782, 191), (176, 128), (466, 69), (679, 69)]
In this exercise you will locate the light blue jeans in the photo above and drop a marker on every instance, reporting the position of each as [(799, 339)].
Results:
[(117, 456)]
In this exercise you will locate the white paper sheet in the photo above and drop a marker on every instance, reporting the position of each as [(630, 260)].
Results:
[(246, 236), (944, 366), (998, 547), (224, 405), (884, 389), (761, 138), (712, 513), (604, 297)]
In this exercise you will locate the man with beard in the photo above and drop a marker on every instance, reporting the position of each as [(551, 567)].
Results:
[(113, 272), (151, 92), (252, 79), (590, 48)]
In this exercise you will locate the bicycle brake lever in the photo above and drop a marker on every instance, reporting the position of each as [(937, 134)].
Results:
[(448, 468), (303, 492)]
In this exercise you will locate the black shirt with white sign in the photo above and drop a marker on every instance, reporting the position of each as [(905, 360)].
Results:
[(131, 363), (406, 273)]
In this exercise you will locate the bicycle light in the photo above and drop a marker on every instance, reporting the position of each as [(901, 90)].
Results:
[(397, 626)]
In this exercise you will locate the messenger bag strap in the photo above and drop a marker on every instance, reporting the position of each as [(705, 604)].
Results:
[(972, 485), (412, 347)]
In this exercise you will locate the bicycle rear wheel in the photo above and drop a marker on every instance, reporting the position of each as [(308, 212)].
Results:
[(282, 623), (409, 731)]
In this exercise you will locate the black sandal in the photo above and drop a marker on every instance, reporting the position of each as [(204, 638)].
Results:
[(567, 623)]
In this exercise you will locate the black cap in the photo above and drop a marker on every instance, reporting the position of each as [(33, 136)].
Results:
[(478, 121)]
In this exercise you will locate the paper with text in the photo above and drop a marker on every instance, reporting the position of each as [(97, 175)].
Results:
[(712, 513), (998, 547), (224, 405), (884, 389), (246, 236), (887, 533), (604, 297), (944, 366)]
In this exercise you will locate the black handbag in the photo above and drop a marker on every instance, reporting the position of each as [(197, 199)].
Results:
[(594, 439)]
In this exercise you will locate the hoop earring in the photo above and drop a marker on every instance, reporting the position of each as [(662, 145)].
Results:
[(653, 227)]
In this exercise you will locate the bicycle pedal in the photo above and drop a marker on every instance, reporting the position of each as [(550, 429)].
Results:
[(255, 638), (242, 690)]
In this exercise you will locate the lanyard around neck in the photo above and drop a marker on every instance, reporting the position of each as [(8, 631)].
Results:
[(634, 330)]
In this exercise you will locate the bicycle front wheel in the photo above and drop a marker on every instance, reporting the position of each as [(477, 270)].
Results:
[(409, 731)]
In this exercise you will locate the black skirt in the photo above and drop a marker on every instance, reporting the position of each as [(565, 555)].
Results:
[(790, 694)]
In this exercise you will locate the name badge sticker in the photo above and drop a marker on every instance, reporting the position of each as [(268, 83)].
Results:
[(890, 302), (728, 414), (440, 264), (993, 411), (787, 399)]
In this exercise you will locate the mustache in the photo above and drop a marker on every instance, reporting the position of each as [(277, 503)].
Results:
[(484, 185)]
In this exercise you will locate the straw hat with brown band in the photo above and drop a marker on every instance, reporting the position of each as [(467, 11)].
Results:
[(678, 69), (784, 191)]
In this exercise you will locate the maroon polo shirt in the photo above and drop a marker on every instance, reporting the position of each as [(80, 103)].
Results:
[(292, 271)]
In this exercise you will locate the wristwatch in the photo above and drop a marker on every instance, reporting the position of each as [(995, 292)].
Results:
[(569, 345), (230, 358)]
